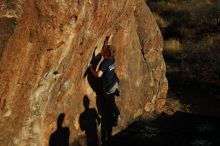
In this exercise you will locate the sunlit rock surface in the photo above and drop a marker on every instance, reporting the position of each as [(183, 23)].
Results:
[(45, 48)]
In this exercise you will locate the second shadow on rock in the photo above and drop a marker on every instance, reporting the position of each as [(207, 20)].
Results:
[(89, 120), (61, 136)]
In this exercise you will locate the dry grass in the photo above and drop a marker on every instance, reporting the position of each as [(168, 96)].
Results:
[(203, 59), (172, 47), (209, 40), (173, 105), (168, 5), (160, 21), (191, 31)]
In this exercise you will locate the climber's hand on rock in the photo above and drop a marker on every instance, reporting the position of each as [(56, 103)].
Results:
[(106, 41), (95, 52)]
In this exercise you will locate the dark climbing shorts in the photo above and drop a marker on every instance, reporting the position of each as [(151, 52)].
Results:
[(112, 89)]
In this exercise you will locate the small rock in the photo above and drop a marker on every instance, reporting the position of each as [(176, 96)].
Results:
[(73, 20), (36, 128), (16, 141), (1, 138), (66, 84), (76, 123), (46, 75), (205, 127), (138, 113), (149, 131), (7, 114), (200, 142)]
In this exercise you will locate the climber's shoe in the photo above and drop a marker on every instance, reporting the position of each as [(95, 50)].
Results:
[(116, 120), (117, 92)]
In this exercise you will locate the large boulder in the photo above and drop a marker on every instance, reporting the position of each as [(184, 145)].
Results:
[(45, 48)]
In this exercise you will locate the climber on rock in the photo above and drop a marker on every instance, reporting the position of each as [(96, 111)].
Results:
[(109, 79)]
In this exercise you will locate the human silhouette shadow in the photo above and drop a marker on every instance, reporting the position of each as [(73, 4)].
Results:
[(61, 136), (107, 117), (89, 121)]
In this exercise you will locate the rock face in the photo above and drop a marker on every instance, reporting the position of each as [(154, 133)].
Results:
[(45, 47)]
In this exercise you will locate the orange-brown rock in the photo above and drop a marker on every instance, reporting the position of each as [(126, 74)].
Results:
[(45, 47)]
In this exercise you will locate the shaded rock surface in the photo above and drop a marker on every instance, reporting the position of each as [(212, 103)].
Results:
[(45, 47), (180, 129)]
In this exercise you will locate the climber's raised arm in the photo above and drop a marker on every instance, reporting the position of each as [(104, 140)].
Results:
[(95, 73)]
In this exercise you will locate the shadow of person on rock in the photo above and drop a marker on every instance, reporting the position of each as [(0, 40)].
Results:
[(89, 120), (61, 136)]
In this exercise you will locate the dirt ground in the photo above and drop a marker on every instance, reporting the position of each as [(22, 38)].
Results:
[(191, 96)]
